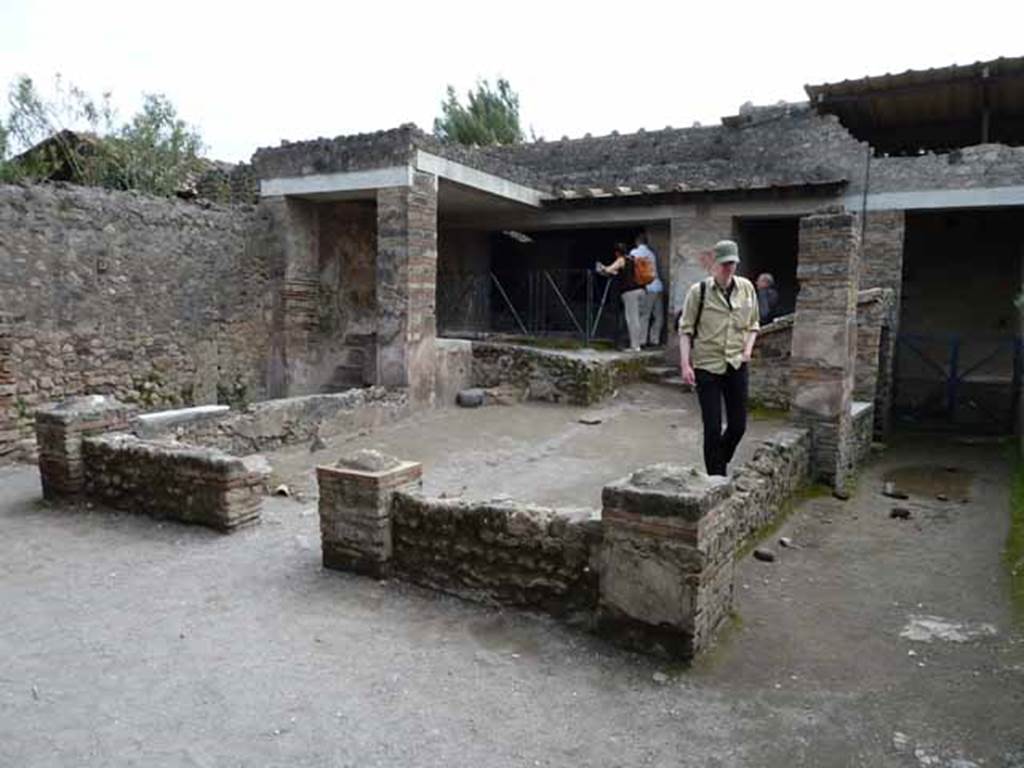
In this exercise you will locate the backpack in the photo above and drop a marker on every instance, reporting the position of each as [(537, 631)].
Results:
[(644, 271)]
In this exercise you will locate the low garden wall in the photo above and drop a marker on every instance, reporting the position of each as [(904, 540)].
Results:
[(498, 552), (653, 570), (272, 424), (170, 480)]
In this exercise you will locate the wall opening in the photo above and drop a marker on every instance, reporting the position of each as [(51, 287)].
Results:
[(958, 354), (771, 245)]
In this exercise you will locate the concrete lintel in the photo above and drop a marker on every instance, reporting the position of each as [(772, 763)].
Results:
[(347, 181), (444, 168), (931, 199)]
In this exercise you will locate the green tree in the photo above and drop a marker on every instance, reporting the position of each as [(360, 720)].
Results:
[(76, 138), (490, 116)]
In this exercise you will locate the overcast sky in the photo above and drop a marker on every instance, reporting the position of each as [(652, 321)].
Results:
[(248, 75)]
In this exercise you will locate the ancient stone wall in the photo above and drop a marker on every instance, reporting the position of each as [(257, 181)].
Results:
[(779, 467), (498, 552), (157, 301), (582, 377), (170, 480), (9, 432), (985, 165)]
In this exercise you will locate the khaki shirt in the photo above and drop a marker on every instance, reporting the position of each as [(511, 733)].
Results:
[(724, 324)]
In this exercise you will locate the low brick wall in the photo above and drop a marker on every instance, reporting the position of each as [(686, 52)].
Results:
[(271, 424), (505, 553), (579, 377), (170, 480)]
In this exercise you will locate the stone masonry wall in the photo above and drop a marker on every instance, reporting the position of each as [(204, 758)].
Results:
[(272, 424), (579, 378), (769, 365), (9, 432), (157, 301), (498, 552), (170, 480)]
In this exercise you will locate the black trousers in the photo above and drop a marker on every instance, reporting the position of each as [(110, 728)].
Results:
[(712, 389)]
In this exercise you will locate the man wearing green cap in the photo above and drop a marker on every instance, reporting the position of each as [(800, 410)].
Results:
[(717, 330)]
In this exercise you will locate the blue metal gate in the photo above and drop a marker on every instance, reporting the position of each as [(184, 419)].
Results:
[(958, 381)]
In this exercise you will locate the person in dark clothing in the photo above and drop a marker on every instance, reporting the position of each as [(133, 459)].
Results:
[(767, 297)]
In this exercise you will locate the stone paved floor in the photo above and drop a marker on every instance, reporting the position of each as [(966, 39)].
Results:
[(533, 452), (128, 642)]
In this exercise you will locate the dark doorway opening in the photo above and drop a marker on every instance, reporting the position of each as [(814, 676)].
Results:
[(771, 246), (958, 353), (544, 283)]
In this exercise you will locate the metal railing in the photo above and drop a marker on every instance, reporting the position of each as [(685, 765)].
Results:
[(573, 303)]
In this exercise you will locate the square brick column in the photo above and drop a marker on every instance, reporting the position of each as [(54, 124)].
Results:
[(59, 432), (825, 342), (406, 286), (355, 510), (666, 579)]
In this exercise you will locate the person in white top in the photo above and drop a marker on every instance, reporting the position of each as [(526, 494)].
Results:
[(652, 303)]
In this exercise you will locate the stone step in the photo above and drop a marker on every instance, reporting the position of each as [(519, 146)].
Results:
[(658, 372), (675, 382)]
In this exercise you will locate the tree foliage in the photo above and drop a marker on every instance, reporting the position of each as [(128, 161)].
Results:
[(490, 116), (74, 137)]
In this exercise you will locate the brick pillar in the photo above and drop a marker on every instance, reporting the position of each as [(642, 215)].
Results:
[(824, 342), (355, 509), (59, 432), (406, 286), (666, 580), (8, 389)]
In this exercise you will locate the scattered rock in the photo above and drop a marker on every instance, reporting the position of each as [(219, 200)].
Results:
[(900, 741), (841, 494), (892, 491), (660, 678), (899, 513), (317, 444), (785, 541), (942, 497), (764, 555), (35, 692), (470, 398), (589, 420), (282, 490)]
